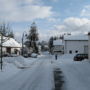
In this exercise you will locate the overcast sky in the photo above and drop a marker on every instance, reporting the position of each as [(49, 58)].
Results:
[(52, 17)]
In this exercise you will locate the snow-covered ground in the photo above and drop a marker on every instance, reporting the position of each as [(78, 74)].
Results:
[(76, 73), (37, 73)]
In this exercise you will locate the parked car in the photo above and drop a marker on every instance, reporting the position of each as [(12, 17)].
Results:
[(29, 54), (80, 57), (5, 55), (34, 55), (25, 55), (13, 55)]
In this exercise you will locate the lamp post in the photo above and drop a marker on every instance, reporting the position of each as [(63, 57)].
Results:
[(24, 34), (1, 51)]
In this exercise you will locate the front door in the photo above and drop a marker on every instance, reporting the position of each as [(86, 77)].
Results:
[(8, 50)]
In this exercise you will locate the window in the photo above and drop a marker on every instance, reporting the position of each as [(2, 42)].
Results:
[(70, 51), (76, 51)]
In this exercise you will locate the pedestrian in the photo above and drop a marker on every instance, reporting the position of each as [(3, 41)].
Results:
[(56, 56)]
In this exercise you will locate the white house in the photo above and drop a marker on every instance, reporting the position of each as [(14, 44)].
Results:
[(76, 44), (58, 46), (10, 46)]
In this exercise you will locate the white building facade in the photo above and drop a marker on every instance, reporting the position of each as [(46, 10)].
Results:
[(58, 46), (89, 45), (76, 44)]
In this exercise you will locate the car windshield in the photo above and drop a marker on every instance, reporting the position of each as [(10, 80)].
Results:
[(78, 55)]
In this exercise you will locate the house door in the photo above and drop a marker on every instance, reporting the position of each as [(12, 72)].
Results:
[(8, 50), (16, 51)]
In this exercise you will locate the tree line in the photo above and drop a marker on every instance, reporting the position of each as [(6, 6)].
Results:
[(6, 30)]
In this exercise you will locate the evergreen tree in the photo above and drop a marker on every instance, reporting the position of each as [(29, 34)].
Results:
[(33, 35), (33, 38), (51, 44)]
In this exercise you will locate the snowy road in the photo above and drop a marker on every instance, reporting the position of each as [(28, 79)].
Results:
[(37, 77), (76, 74)]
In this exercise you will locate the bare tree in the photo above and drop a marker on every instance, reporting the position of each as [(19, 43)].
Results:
[(6, 30)]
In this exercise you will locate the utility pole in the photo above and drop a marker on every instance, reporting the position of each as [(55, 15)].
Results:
[(89, 45), (24, 34), (22, 43), (1, 51)]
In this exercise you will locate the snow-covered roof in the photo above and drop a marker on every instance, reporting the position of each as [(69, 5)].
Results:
[(57, 42), (11, 43), (4, 38), (76, 37)]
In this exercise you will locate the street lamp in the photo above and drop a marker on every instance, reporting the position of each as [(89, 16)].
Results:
[(1, 50), (24, 34)]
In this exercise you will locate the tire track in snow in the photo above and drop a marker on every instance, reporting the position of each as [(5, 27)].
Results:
[(38, 80), (30, 84), (18, 78)]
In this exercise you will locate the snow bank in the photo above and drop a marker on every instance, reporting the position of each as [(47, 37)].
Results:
[(8, 71), (20, 61), (11, 65)]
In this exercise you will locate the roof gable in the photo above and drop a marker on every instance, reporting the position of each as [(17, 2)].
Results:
[(11, 43)]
